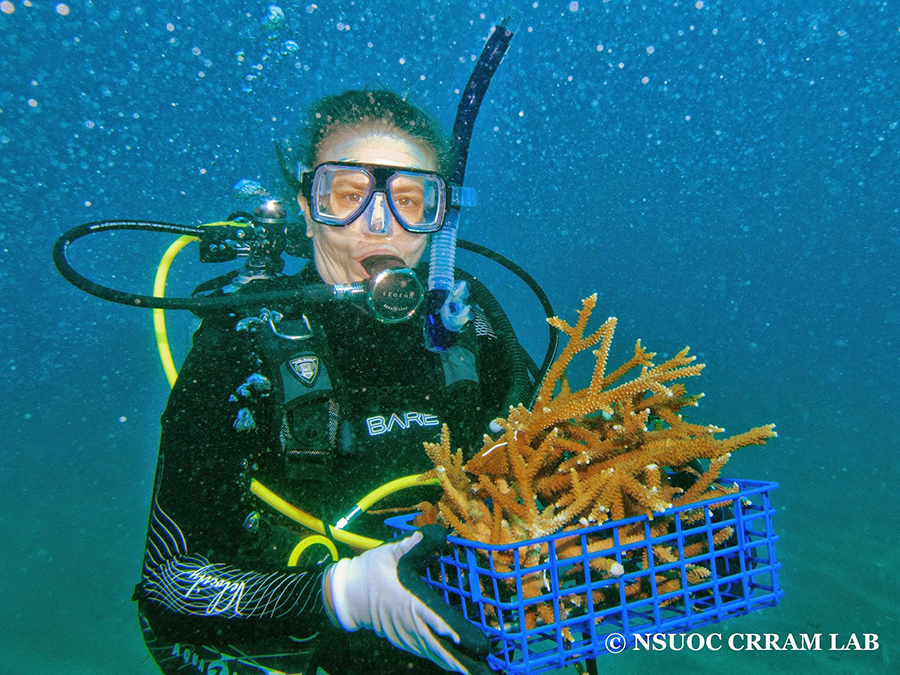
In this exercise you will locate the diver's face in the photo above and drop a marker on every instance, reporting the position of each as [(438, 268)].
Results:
[(338, 251)]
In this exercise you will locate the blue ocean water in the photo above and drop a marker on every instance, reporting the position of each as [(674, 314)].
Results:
[(723, 174)]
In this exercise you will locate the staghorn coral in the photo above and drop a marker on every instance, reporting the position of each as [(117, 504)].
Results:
[(579, 458)]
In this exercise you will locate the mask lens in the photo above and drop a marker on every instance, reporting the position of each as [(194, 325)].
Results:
[(417, 200), (340, 193)]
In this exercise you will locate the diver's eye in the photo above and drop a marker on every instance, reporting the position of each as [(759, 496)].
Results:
[(347, 195), (408, 194)]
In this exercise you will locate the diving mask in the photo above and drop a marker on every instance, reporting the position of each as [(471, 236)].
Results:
[(339, 192)]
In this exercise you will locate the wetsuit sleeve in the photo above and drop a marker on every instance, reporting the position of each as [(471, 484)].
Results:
[(211, 566)]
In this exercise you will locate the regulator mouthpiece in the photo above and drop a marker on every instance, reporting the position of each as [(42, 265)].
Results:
[(394, 291)]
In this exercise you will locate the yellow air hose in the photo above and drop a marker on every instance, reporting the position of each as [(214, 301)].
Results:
[(159, 291), (338, 534), (159, 315), (312, 540)]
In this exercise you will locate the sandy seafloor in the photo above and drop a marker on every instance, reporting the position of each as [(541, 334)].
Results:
[(724, 175)]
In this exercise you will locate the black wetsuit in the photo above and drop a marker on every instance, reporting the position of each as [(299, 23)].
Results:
[(321, 422)]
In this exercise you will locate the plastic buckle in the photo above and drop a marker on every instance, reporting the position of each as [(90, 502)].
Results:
[(462, 196)]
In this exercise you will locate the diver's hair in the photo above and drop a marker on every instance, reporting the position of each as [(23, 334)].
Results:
[(378, 109)]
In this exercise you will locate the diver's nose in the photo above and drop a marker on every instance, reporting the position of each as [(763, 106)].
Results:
[(378, 217)]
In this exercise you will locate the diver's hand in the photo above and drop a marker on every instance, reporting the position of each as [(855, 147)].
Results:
[(381, 590)]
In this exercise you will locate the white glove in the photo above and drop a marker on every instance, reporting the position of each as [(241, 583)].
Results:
[(367, 592)]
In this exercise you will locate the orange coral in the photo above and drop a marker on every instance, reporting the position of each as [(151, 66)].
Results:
[(583, 457)]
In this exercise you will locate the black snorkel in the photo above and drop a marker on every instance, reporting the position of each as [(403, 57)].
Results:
[(445, 308)]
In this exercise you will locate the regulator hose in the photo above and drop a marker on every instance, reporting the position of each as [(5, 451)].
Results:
[(287, 299)]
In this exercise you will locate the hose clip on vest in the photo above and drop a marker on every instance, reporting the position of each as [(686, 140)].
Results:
[(261, 239), (269, 318)]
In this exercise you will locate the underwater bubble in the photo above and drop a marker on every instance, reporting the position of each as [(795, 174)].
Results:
[(244, 421), (248, 189), (291, 46), (251, 522), (258, 382), (273, 19)]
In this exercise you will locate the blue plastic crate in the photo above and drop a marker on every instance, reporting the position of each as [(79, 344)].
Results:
[(582, 607)]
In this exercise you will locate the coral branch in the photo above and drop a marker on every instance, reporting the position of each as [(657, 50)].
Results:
[(588, 456)]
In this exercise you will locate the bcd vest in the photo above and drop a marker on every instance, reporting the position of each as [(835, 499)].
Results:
[(375, 403)]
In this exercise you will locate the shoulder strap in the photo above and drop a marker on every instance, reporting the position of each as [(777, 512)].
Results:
[(460, 363), (494, 323)]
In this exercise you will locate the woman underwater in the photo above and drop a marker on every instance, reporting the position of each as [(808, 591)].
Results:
[(322, 411)]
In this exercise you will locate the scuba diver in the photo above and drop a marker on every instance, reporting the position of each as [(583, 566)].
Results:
[(303, 392), (322, 409)]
